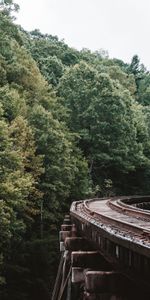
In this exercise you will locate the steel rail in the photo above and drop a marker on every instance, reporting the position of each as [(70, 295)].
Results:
[(122, 207), (141, 232)]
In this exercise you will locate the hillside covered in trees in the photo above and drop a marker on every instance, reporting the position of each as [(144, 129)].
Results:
[(73, 124)]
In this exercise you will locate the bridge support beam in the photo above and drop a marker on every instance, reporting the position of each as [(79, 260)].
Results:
[(103, 285), (102, 281), (77, 275), (66, 227), (67, 230), (82, 262), (89, 259), (78, 244), (67, 220), (62, 237)]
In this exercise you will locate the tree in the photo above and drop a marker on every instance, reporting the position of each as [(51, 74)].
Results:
[(102, 112), (61, 164), (8, 6), (15, 187), (126, 80), (52, 69), (23, 141), (12, 102), (143, 95), (137, 69)]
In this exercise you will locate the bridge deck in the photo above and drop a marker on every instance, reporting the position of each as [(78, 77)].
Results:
[(125, 224), (120, 230), (102, 208)]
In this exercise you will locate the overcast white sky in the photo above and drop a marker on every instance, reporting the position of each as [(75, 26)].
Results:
[(120, 26)]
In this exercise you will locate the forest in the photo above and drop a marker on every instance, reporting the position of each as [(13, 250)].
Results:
[(73, 125)]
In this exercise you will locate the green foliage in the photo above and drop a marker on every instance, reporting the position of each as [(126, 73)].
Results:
[(126, 80), (51, 55), (107, 120), (143, 96), (52, 69), (73, 124), (55, 143), (138, 70), (40, 166), (13, 104), (8, 6)]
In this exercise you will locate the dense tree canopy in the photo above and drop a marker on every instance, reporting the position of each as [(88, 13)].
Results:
[(73, 124), (105, 116)]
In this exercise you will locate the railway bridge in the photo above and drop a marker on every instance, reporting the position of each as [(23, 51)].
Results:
[(105, 250)]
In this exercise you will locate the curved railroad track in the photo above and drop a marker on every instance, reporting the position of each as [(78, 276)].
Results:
[(118, 216), (111, 230), (121, 231)]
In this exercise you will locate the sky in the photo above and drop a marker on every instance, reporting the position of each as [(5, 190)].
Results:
[(122, 27)]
